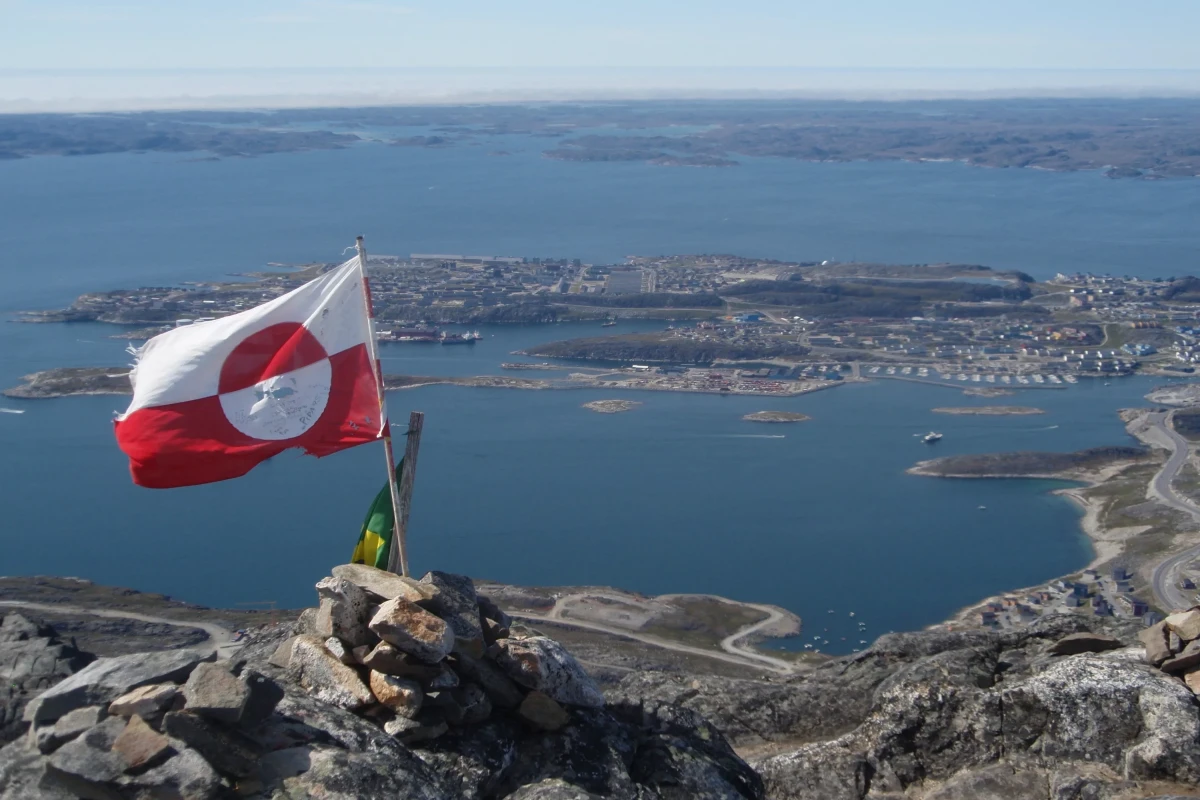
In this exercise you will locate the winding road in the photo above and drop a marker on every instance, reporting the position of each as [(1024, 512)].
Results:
[(220, 640), (731, 653), (1165, 580)]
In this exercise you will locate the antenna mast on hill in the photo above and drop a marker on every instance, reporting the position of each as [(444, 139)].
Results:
[(401, 492)]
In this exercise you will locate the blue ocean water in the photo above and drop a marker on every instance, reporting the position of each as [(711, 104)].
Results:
[(679, 495)]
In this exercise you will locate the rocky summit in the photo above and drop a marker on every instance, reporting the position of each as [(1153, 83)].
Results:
[(390, 688), (401, 688)]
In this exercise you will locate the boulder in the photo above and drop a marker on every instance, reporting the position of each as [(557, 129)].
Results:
[(282, 657), (387, 658), (328, 679), (335, 774), (184, 775), (90, 756), (31, 661), (384, 585), (413, 630), (400, 726), (1186, 624), (24, 775), (109, 678), (551, 789), (213, 691), (490, 611), (540, 711), (1192, 679), (343, 611), (1158, 648), (1088, 642), (402, 696), (500, 688), (225, 750), (474, 761), (306, 623), (545, 665), (145, 701), (338, 649), (455, 602), (264, 693), (47, 739), (466, 705), (1173, 641), (1185, 661), (445, 679), (141, 746)]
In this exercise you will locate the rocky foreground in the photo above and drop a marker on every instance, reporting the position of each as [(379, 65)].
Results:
[(421, 689)]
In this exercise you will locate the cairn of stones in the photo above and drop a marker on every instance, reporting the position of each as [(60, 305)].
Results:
[(1173, 646), (420, 657)]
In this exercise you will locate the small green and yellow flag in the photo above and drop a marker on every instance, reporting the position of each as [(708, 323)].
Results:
[(375, 541)]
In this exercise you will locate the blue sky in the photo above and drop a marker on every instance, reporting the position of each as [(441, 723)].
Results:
[(914, 34)]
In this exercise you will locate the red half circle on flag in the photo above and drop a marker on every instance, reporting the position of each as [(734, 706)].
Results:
[(194, 442)]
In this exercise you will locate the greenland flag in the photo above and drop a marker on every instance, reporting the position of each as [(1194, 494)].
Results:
[(214, 399)]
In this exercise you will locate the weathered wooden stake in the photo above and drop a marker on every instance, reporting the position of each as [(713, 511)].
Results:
[(398, 557)]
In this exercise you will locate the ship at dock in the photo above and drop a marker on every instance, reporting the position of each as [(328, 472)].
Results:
[(470, 337), (425, 335)]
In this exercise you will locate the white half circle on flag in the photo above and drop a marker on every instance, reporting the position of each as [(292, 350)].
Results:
[(282, 407), (185, 363)]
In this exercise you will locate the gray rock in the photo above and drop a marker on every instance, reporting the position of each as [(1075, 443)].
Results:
[(1187, 660), (540, 711), (500, 688), (996, 782), (265, 694), (23, 775), (300, 719), (90, 756), (185, 775), (338, 649), (384, 585), (490, 611), (49, 738), (1087, 642), (213, 691), (31, 661), (1186, 624), (456, 602), (552, 789), (465, 705), (335, 774), (107, 679), (306, 623), (1154, 638), (399, 726), (343, 611), (146, 701), (1173, 641), (224, 749), (329, 680), (545, 665), (282, 657), (388, 659), (402, 696), (413, 630), (141, 747)]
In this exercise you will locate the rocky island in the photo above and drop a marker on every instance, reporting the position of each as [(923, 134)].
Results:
[(776, 416), (990, 411), (611, 406)]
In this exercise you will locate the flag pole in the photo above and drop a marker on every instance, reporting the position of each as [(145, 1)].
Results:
[(398, 557)]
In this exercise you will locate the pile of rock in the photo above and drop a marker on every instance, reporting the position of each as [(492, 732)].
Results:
[(150, 724), (420, 657), (32, 659), (1173, 646)]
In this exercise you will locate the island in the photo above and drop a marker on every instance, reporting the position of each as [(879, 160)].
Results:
[(776, 416), (69, 381), (989, 411), (611, 406)]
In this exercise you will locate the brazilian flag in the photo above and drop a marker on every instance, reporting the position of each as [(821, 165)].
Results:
[(375, 541)]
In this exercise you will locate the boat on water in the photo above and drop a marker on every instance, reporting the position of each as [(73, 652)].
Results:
[(471, 337), (608, 324), (426, 335), (931, 437)]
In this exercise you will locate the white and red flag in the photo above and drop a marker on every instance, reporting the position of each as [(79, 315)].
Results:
[(214, 399)]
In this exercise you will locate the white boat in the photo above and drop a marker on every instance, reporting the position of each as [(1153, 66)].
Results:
[(1038, 379), (906, 371), (1006, 379), (991, 378), (931, 437), (1071, 379), (976, 378), (12, 410), (1054, 379)]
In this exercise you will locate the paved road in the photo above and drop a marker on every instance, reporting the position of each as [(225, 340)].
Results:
[(1165, 580), (732, 653), (220, 639)]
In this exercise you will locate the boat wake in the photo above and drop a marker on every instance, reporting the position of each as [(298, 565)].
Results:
[(749, 436), (12, 411)]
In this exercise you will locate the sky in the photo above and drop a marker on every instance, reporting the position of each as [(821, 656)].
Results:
[(126, 46)]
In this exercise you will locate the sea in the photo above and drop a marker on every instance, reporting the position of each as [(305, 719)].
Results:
[(527, 487)]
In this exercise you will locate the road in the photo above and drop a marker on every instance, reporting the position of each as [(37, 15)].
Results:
[(731, 652), (220, 640), (1165, 580)]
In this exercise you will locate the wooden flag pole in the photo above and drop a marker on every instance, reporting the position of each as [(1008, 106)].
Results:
[(397, 555), (408, 473)]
